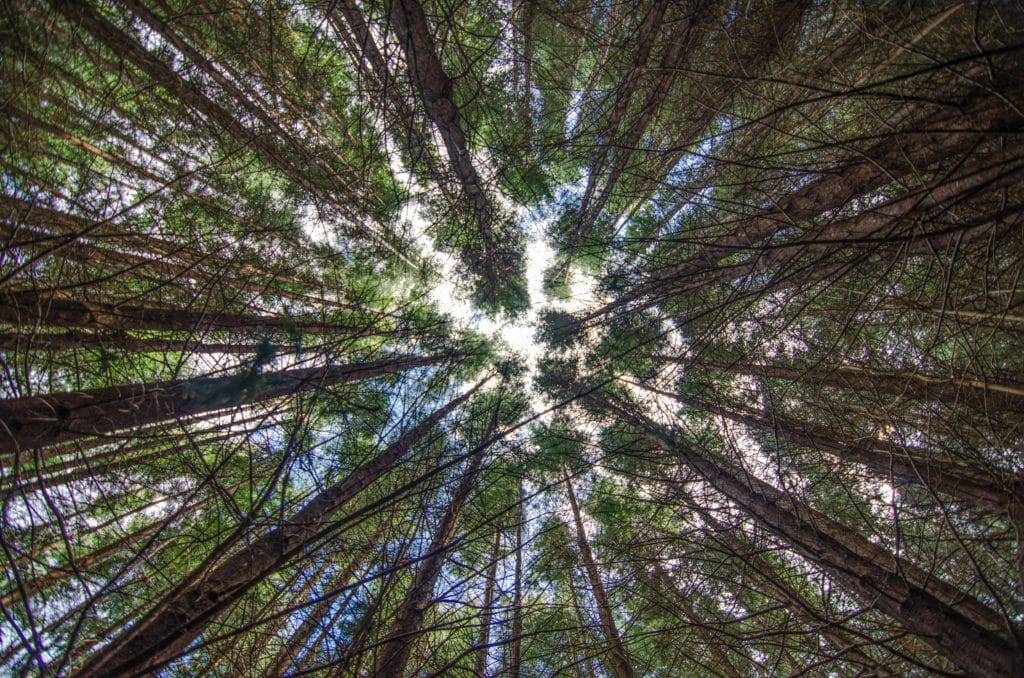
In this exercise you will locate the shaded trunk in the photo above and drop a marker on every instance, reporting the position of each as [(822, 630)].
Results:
[(118, 341), (617, 656), (663, 580), (515, 652), (989, 489), (367, 57), (317, 615), (758, 568), (31, 308), (920, 145), (974, 637), (646, 36), (393, 657), (435, 88), (185, 611), (979, 394), (39, 421), (484, 639)]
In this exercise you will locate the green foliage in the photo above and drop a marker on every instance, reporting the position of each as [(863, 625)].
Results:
[(801, 220)]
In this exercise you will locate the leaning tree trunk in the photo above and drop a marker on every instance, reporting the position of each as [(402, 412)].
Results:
[(758, 568), (185, 611), (28, 308), (972, 636), (394, 653), (40, 421), (484, 639), (315, 616), (988, 489), (435, 88), (921, 144), (617, 655), (979, 394), (515, 652)]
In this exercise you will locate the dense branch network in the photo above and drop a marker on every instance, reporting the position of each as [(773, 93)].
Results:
[(770, 423)]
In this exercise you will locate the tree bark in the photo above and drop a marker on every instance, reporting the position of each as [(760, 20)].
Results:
[(919, 145), (185, 611), (972, 636), (39, 421), (393, 657), (435, 88), (315, 616), (31, 308), (991, 490), (617, 656), (484, 638), (756, 566), (515, 652), (979, 394)]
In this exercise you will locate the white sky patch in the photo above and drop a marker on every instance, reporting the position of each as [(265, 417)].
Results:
[(315, 227)]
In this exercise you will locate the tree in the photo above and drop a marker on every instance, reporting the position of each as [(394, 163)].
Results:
[(268, 400)]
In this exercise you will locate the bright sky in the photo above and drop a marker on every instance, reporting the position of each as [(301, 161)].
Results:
[(518, 333)]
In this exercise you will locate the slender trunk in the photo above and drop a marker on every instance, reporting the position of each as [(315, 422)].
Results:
[(959, 627), (435, 88), (663, 580), (755, 37), (393, 657), (758, 568), (515, 653), (316, 615), (646, 36), (40, 421), (126, 46), (579, 651), (624, 145), (954, 391), (526, 104), (367, 57), (119, 341), (186, 610), (31, 308), (484, 639), (921, 144), (113, 247), (617, 656), (988, 489)]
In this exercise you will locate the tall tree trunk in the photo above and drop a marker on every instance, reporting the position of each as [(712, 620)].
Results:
[(971, 635), (394, 653), (759, 569), (484, 638), (646, 35), (315, 616), (39, 421), (515, 652), (435, 88), (979, 394), (920, 145), (988, 489), (186, 610), (127, 47), (54, 342), (617, 656), (661, 579), (367, 57), (30, 308)]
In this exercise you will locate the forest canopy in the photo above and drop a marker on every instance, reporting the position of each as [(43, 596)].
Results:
[(519, 338)]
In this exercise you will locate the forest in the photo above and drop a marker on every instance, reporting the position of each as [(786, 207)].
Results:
[(515, 338)]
